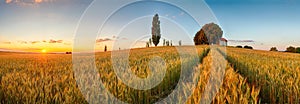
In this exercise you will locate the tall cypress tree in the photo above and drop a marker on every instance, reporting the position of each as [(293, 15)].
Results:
[(156, 30)]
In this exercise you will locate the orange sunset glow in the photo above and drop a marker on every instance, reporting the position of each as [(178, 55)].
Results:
[(36, 46)]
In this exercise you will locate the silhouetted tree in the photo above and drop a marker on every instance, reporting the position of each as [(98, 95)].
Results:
[(298, 50), (248, 47), (273, 49), (167, 43), (164, 43), (171, 44), (105, 48), (213, 33), (150, 41), (200, 38), (291, 49), (156, 30), (147, 44), (68, 52), (179, 43), (239, 46)]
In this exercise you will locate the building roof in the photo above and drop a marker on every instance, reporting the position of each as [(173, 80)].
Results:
[(223, 39)]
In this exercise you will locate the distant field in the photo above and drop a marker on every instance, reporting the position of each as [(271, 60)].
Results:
[(250, 76)]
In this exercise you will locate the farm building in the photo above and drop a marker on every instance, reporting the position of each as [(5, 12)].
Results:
[(223, 42)]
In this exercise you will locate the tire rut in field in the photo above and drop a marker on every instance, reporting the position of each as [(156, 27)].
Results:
[(232, 64), (234, 87)]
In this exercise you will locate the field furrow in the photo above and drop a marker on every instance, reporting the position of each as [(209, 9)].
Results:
[(219, 80), (276, 73)]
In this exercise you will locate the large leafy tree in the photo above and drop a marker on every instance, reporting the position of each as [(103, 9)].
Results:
[(291, 49), (156, 30), (213, 32), (200, 38), (273, 49)]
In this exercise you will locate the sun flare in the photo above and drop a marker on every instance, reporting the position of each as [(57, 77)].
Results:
[(44, 51)]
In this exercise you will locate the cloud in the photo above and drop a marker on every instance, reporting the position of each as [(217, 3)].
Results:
[(250, 41), (103, 40), (34, 42), (116, 37), (55, 41), (28, 2), (23, 42), (6, 42), (8, 1)]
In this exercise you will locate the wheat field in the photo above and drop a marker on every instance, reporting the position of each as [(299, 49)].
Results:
[(248, 76)]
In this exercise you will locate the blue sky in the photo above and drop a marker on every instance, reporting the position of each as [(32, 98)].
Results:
[(44, 22), (267, 22)]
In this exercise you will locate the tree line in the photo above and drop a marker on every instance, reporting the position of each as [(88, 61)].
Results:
[(290, 49)]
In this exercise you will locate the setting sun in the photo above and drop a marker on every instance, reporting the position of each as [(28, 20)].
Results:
[(44, 51)]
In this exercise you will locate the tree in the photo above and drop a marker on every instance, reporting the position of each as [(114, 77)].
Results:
[(273, 49), (150, 41), (179, 42), (248, 47), (156, 30), (298, 50), (147, 44), (167, 43), (291, 49), (68, 52), (171, 43), (239, 46), (200, 38), (213, 33), (105, 48)]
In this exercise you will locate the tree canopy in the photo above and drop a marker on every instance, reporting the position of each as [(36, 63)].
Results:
[(273, 49), (200, 38), (209, 34), (248, 47), (291, 49)]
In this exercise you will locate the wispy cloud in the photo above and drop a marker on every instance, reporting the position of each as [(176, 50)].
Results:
[(8, 1), (43, 41), (250, 41), (103, 40), (23, 42), (28, 2), (116, 37), (34, 42), (55, 41), (6, 42)]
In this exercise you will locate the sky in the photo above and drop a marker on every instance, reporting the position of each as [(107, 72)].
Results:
[(270, 23), (51, 25)]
